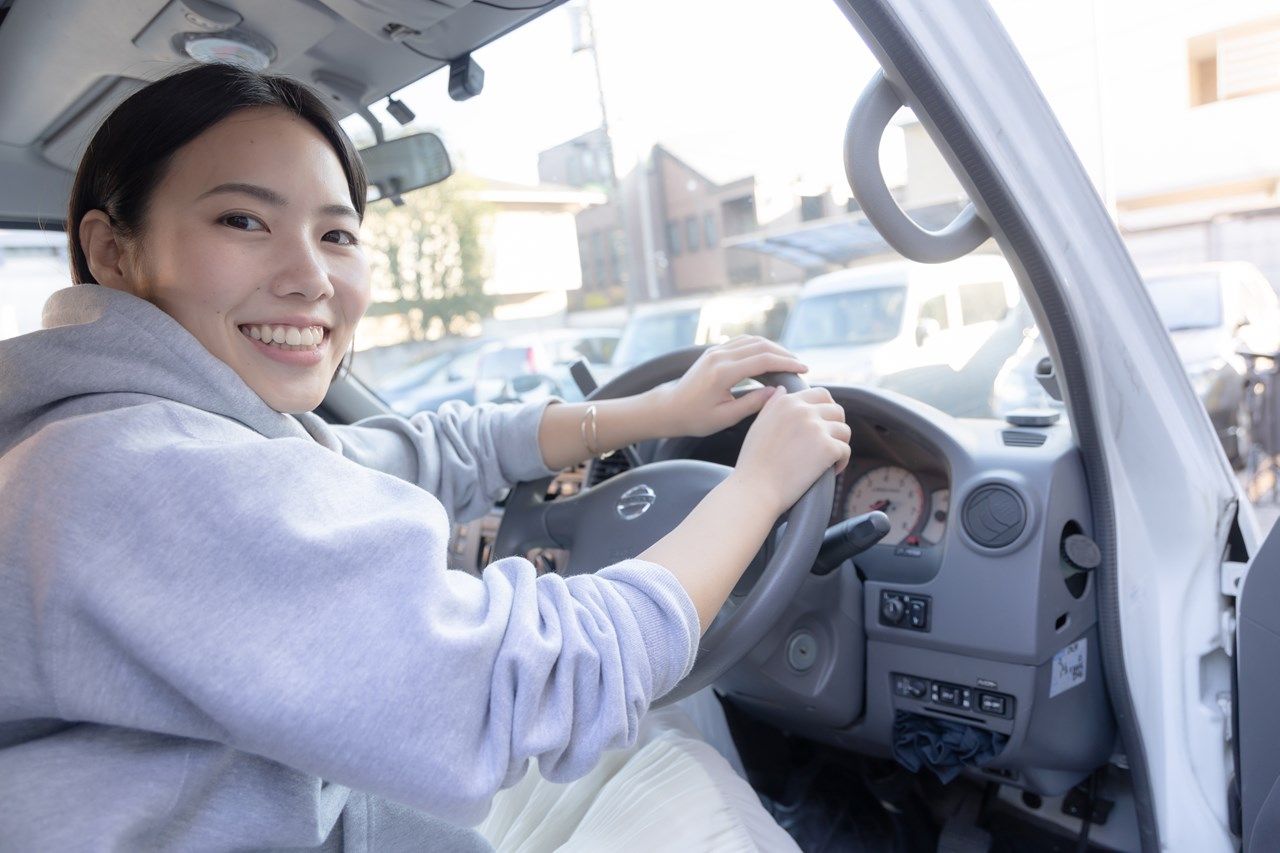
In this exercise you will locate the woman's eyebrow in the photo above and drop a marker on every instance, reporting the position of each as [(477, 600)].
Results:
[(261, 193), (340, 210), (274, 198)]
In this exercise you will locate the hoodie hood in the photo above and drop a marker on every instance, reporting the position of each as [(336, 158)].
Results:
[(102, 349)]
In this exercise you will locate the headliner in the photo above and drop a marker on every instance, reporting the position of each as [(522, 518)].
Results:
[(64, 64)]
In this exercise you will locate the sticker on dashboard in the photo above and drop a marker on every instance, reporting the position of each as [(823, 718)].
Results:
[(1069, 667)]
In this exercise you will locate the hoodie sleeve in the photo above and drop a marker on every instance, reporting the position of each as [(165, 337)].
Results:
[(464, 455), (273, 596)]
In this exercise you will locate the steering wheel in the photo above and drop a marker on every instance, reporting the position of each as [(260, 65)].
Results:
[(621, 517)]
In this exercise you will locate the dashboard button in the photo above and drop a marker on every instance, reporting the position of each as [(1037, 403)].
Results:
[(991, 703), (917, 613), (948, 694), (910, 686), (892, 608)]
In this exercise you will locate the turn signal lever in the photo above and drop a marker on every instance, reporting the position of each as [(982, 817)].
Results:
[(849, 538)]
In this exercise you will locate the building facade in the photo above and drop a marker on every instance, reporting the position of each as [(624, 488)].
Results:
[(1174, 108), (665, 230)]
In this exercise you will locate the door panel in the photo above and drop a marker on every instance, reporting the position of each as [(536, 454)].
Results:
[(1258, 697)]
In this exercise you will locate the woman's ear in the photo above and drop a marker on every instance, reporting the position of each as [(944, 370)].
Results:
[(105, 252)]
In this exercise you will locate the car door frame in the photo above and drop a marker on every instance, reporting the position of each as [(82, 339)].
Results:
[(1163, 497)]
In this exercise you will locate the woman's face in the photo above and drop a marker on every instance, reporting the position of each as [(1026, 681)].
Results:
[(251, 237)]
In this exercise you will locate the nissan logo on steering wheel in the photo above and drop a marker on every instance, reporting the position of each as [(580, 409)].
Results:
[(635, 502)]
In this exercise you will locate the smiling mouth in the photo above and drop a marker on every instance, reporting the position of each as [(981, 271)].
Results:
[(289, 338)]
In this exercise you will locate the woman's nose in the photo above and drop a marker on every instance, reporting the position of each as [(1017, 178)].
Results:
[(302, 272)]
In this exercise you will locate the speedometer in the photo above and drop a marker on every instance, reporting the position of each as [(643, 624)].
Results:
[(894, 491)]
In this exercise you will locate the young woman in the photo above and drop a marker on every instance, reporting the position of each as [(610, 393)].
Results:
[(226, 624)]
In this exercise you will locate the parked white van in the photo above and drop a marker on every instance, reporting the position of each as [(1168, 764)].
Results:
[(898, 324), (655, 328)]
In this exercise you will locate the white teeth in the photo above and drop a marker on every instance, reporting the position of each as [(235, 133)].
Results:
[(286, 337)]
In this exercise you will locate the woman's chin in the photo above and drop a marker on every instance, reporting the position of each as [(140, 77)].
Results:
[(290, 401)]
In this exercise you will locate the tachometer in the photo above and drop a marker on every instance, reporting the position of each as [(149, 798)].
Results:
[(894, 491)]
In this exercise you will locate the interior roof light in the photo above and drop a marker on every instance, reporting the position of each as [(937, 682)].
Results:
[(237, 47)]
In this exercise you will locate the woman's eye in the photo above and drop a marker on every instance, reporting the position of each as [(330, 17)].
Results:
[(243, 222), (342, 238)]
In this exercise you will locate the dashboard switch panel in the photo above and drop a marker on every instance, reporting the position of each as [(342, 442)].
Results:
[(955, 695), (985, 702), (901, 610)]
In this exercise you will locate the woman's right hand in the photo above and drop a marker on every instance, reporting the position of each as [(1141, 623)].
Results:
[(795, 438)]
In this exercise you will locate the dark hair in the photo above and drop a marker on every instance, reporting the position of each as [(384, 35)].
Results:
[(132, 148)]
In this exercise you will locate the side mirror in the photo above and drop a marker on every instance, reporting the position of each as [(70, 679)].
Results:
[(405, 164), (925, 329)]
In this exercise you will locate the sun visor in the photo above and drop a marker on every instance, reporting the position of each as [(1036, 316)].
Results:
[(66, 145)]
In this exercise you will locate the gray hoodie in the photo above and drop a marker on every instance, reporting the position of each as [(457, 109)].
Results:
[(225, 627)]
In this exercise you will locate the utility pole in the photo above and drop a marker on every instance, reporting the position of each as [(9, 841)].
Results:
[(615, 187)]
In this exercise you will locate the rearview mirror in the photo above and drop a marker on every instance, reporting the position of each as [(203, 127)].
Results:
[(405, 164)]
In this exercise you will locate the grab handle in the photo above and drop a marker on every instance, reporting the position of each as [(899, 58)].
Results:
[(871, 115)]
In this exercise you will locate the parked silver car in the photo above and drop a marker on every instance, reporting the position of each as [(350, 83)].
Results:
[(1213, 312), (527, 367)]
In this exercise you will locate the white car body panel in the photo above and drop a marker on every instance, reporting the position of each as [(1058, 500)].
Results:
[(1173, 491)]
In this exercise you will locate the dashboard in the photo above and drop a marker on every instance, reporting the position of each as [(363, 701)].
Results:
[(967, 613)]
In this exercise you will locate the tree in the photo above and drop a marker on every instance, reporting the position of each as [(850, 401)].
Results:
[(428, 259)]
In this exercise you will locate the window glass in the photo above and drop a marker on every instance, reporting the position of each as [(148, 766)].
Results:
[(1187, 301), (691, 234), (596, 350), (506, 363), (982, 302), (935, 308), (646, 337), (33, 264), (854, 317), (725, 190)]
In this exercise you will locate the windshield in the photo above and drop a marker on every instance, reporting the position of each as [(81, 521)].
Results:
[(674, 202), (852, 318), (649, 336), (1187, 302)]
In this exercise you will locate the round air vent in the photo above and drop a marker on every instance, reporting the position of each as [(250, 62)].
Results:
[(993, 515)]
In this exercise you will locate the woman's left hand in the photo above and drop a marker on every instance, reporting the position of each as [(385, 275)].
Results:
[(702, 401)]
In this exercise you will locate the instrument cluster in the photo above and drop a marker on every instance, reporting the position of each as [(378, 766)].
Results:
[(916, 502)]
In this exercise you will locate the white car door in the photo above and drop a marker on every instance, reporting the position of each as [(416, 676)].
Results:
[(1163, 497)]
